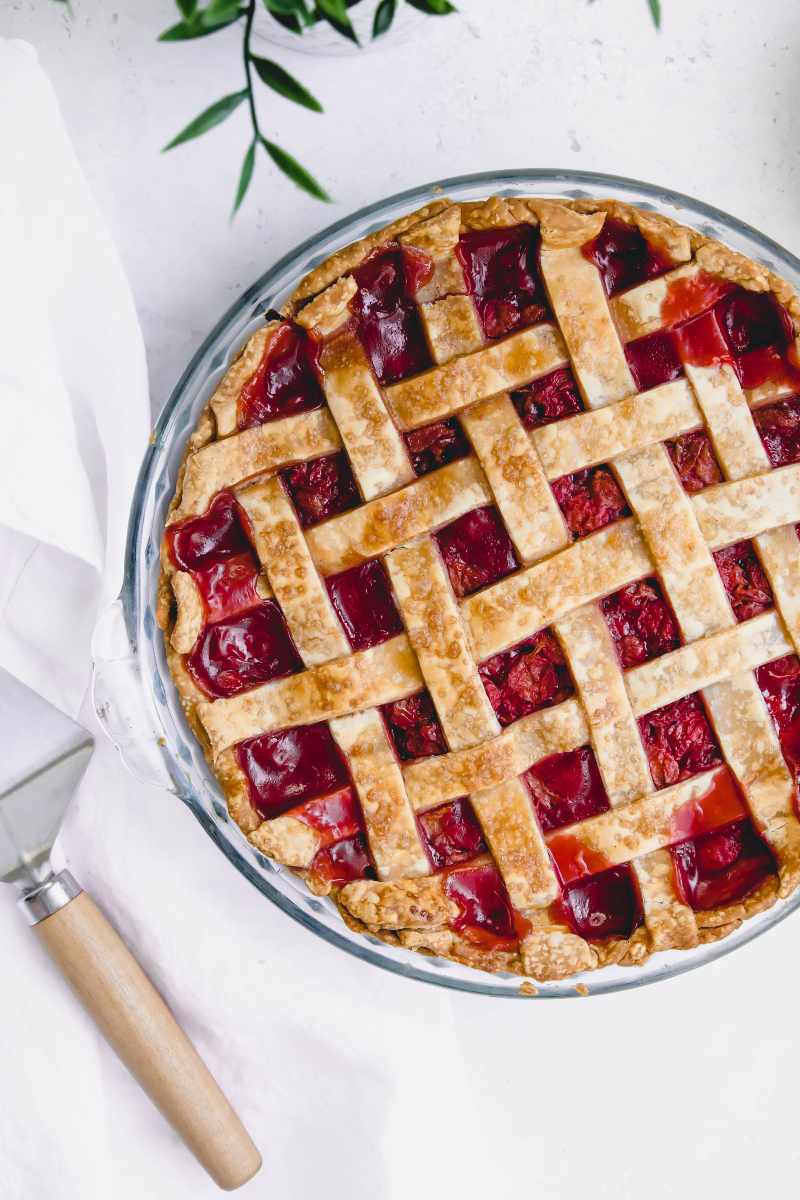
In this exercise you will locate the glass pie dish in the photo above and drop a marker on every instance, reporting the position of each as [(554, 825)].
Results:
[(135, 698)]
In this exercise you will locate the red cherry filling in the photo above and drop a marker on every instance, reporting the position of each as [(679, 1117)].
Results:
[(624, 257), (436, 445), (285, 381), (486, 915), (722, 867), (476, 550), (364, 604), (321, 488), (343, 862), (693, 458), (654, 360), (572, 857), (604, 905), (590, 500), (780, 686), (566, 788), (641, 622), (240, 652), (691, 295), (753, 320), (335, 817), (228, 586), (679, 741), (501, 267), (700, 342), (218, 533), (779, 426), (548, 399), (529, 676), (719, 803), (414, 727), (290, 766), (451, 833), (759, 334), (744, 580), (387, 321)]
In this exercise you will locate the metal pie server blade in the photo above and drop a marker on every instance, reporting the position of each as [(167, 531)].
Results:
[(31, 813)]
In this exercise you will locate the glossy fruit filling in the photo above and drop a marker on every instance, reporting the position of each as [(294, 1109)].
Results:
[(285, 381), (288, 767), (700, 342), (566, 788), (228, 586), (436, 445), (624, 257), (322, 488), (362, 598), (654, 360), (641, 622), (691, 295), (335, 817), (486, 915), (451, 833), (679, 741), (590, 499), (780, 686), (476, 550), (722, 867), (573, 858), (718, 803), (779, 426), (414, 727), (529, 676), (387, 321), (744, 580), (548, 399), (752, 321), (343, 862), (219, 533), (693, 458), (501, 268), (604, 905), (240, 652)]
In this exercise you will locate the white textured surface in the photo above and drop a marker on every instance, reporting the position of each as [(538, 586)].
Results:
[(352, 1081)]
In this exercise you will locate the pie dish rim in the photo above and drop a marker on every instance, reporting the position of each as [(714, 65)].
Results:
[(170, 434)]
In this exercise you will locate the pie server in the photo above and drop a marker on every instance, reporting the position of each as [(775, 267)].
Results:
[(107, 978)]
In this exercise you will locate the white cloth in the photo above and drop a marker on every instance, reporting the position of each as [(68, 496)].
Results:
[(355, 1084)]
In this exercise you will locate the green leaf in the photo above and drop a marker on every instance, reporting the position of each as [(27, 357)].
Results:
[(245, 177), (288, 8), (434, 8), (283, 83), (187, 7), (335, 13), (185, 30), (209, 118), (384, 15), (655, 12), (291, 167)]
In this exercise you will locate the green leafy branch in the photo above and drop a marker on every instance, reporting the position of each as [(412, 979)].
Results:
[(295, 15)]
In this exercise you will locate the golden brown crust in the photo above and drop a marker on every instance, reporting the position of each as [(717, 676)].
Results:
[(668, 534)]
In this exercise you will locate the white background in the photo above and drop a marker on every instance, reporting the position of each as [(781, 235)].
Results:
[(355, 1083)]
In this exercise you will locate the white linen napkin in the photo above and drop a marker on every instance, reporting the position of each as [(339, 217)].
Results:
[(73, 391), (326, 1059)]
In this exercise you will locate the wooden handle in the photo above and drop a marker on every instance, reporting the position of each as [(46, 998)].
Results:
[(138, 1025)]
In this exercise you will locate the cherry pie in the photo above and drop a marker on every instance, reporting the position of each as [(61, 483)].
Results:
[(481, 585)]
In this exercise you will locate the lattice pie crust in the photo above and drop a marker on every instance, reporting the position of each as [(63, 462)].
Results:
[(458, 835)]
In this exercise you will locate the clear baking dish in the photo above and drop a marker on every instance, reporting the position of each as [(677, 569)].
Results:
[(135, 699)]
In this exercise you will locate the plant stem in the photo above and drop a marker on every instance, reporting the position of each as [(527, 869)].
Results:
[(248, 70)]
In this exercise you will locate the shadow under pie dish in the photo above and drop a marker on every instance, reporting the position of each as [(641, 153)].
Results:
[(481, 585)]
